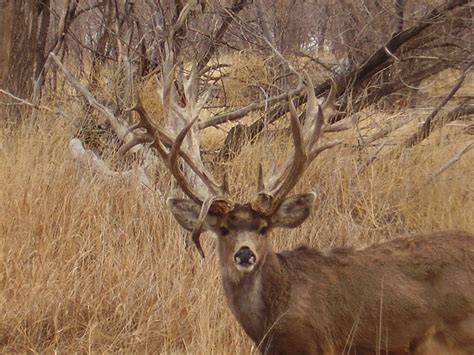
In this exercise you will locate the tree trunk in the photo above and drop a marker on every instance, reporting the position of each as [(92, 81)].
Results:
[(399, 10), (5, 34), (18, 27), (45, 14)]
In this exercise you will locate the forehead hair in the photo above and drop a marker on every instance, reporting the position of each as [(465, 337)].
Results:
[(243, 217)]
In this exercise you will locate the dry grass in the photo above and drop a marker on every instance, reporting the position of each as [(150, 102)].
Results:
[(100, 266), (93, 265)]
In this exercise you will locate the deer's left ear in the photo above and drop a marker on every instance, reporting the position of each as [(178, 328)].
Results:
[(293, 211)]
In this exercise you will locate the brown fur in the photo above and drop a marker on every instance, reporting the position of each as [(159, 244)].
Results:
[(408, 295)]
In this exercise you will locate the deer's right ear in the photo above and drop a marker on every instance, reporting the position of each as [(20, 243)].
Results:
[(294, 210), (187, 212)]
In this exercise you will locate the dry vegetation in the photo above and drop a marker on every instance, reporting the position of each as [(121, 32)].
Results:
[(93, 265)]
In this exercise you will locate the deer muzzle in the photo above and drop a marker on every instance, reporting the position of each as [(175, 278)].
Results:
[(245, 259)]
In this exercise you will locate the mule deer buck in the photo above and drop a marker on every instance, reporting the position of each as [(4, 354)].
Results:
[(408, 295)]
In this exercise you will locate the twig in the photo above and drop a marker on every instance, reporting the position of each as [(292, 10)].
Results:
[(384, 131), (63, 27), (37, 107), (317, 61), (454, 159), (282, 58), (371, 158)]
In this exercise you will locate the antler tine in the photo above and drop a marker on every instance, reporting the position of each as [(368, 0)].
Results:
[(312, 106), (191, 91), (195, 102), (330, 102), (144, 122), (260, 183), (136, 140), (152, 132), (214, 187), (314, 115), (173, 160), (165, 87), (225, 183), (328, 107), (205, 208)]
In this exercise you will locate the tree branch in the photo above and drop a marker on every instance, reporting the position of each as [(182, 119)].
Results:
[(235, 115), (120, 128), (237, 6), (428, 126)]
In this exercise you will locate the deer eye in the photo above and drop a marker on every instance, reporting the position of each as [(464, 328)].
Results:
[(263, 230), (223, 231)]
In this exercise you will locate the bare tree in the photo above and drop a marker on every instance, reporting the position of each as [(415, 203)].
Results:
[(128, 42)]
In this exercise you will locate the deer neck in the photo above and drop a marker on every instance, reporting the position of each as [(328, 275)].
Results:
[(253, 297)]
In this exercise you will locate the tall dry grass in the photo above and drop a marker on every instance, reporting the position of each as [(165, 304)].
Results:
[(99, 265)]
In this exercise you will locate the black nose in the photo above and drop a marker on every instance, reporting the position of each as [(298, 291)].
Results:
[(245, 256)]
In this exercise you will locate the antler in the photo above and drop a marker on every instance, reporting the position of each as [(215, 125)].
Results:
[(273, 190), (171, 149)]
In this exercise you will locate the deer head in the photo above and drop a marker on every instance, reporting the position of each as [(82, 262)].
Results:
[(243, 231)]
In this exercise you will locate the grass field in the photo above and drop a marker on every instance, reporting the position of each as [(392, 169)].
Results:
[(99, 265)]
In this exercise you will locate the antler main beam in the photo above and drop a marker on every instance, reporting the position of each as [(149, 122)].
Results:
[(171, 149), (161, 140), (273, 190)]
